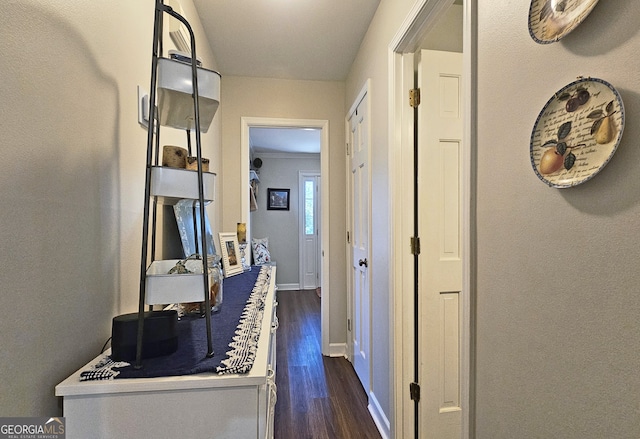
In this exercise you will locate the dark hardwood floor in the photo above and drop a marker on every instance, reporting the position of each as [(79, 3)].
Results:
[(318, 397)]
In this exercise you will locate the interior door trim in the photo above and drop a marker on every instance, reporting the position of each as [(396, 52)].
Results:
[(418, 21), (323, 125)]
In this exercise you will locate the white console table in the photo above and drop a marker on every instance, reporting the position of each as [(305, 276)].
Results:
[(189, 406)]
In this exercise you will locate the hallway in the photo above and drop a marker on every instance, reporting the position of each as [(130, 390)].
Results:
[(318, 397)]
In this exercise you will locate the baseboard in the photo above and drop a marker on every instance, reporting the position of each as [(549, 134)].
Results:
[(288, 287), (380, 419), (338, 350)]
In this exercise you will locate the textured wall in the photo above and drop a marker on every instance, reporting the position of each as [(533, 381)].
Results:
[(557, 278), (71, 184), (558, 303)]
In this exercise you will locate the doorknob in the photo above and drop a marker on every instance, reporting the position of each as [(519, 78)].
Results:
[(364, 262)]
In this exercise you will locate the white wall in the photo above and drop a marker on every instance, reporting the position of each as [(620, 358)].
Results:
[(71, 184), (558, 303), (282, 227), (288, 99)]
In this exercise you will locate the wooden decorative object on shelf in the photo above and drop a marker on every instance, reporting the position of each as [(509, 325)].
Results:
[(174, 156), (192, 164)]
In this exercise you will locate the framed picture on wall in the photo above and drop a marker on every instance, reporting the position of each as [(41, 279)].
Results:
[(231, 262), (277, 199)]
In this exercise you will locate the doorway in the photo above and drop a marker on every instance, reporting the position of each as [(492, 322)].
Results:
[(407, 269), (323, 125)]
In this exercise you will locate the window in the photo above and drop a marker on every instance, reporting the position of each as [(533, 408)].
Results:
[(309, 194)]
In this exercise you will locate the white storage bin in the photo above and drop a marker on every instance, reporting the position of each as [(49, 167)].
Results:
[(175, 103), (173, 184), (163, 288)]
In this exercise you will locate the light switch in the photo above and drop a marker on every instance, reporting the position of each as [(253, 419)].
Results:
[(143, 107)]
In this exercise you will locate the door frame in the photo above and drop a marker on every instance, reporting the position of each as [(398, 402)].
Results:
[(302, 176), (246, 123), (418, 22)]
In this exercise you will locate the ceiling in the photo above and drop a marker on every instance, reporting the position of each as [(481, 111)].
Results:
[(284, 140), (288, 39)]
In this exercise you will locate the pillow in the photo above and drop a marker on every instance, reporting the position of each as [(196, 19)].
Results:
[(260, 248)]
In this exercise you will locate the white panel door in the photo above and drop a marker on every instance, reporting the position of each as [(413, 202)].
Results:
[(359, 184), (309, 230), (440, 132)]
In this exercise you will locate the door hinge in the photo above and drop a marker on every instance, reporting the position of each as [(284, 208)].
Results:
[(349, 325), (414, 97), (348, 238), (347, 145), (415, 245), (414, 391)]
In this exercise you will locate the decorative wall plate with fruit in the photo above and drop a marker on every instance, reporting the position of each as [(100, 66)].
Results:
[(577, 132), (551, 20)]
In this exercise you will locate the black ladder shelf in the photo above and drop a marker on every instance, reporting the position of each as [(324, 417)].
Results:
[(153, 152)]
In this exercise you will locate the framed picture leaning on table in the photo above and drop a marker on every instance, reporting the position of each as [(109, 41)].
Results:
[(230, 253)]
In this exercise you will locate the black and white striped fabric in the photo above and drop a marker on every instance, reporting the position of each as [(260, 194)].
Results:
[(105, 369), (245, 343)]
